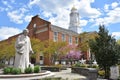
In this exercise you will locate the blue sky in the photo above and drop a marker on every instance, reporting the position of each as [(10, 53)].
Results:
[(15, 15)]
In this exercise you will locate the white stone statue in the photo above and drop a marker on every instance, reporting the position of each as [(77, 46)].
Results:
[(23, 49)]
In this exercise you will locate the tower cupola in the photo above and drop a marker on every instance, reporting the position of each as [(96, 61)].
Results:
[(74, 20)]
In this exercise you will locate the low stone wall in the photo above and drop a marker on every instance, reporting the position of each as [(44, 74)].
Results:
[(90, 73)]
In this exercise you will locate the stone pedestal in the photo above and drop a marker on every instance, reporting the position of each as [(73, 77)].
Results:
[(92, 74), (114, 72)]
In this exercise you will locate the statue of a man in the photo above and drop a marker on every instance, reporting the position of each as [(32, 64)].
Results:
[(23, 49)]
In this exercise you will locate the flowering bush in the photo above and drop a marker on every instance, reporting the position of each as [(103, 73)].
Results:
[(74, 55), (72, 52)]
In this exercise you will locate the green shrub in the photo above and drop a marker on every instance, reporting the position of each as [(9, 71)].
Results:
[(28, 70), (11, 70), (88, 66), (36, 69), (80, 65), (16, 71), (77, 64), (94, 66), (6, 70), (56, 78), (83, 65)]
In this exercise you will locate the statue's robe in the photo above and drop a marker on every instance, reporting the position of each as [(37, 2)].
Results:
[(23, 48)]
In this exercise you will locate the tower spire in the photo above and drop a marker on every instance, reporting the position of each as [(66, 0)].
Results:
[(74, 20)]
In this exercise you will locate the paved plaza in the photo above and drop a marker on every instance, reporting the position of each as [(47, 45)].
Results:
[(66, 74)]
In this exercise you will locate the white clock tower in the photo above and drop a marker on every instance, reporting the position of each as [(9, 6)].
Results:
[(74, 20)]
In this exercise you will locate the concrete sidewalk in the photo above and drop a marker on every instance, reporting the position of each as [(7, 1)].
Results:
[(67, 75)]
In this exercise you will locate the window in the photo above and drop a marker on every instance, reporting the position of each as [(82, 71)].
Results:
[(41, 57), (34, 25), (63, 37), (76, 40), (70, 39), (55, 36)]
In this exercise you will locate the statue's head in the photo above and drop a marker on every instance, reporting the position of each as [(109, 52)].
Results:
[(25, 32)]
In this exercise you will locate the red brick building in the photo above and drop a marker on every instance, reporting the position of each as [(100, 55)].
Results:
[(44, 30)]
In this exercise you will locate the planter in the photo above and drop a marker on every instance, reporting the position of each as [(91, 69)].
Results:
[(90, 73), (32, 76)]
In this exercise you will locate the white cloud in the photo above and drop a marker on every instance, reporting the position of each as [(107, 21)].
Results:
[(15, 17), (6, 32), (22, 10), (61, 10), (99, 21), (114, 5), (111, 16), (15, 14), (106, 7), (62, 19), (83, 22), (33, 2), (18, 16), (48, 5), (47, 14), (116, 34), (7, 4), (28, 18), (86, 10)]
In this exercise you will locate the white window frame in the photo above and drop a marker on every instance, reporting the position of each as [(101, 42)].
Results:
[(63, 37), (55, 36), (70, 39), (76, 40)]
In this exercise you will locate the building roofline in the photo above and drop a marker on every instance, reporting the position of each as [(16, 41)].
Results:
[(65, 31)]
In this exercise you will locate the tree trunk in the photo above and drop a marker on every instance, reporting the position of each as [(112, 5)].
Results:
[(107, 72)]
